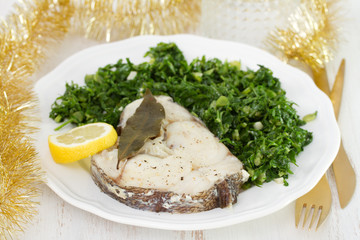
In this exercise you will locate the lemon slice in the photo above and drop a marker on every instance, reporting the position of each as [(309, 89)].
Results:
[(81, 142)]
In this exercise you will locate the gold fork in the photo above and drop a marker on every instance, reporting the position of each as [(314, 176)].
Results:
[(317, 202)]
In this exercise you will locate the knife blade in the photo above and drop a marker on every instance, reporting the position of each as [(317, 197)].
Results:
[(345, 177)]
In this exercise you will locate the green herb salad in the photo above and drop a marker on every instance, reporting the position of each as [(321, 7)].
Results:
[(246, 109)]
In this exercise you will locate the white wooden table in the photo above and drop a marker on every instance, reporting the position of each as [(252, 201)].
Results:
[(59, 220)]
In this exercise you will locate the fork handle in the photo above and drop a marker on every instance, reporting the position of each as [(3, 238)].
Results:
[(321, 80)]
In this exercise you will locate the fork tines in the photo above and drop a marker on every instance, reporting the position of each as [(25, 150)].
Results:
[(313, 208), (310, 217)]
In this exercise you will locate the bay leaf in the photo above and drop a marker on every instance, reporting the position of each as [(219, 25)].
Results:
[(144, 124)]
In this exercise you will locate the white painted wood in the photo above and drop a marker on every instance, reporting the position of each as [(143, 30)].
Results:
[(59, 220)]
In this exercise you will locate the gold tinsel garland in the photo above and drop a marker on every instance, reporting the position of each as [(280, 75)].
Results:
[(25, 37), (111, 20), (22, 48), (311, 36)]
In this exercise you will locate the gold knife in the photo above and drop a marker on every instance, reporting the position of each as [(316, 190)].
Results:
[(344, 173), (345, 177)]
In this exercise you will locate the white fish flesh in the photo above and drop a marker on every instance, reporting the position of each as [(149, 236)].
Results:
[(183, 170)]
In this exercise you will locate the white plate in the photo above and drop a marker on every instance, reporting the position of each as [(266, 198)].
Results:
[(73, 182)]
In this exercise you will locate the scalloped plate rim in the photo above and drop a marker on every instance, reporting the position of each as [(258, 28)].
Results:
[(167, 221)]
